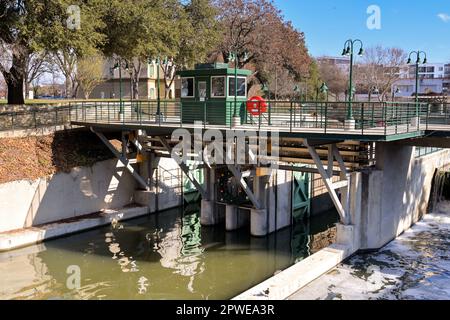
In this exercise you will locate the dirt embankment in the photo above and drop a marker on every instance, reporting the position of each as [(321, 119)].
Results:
[(34, 157)]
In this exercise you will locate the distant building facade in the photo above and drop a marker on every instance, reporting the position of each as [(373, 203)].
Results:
[(342, 62), (433, 78), (148, 83)]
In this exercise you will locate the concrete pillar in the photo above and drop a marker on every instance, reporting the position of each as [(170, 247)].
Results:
[(349, 125), (209, 216), (235, 218), (259, 220), (389, 195), (349, 236), (273, 190), (283, 199), (259, 223)]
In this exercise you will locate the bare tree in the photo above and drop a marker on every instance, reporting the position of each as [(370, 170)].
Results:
[(37, 64), (90, 73), (380, 69), (257, 33), (66, 60), (334, 77)]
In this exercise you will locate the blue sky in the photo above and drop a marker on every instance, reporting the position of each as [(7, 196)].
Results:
[(408, 24)]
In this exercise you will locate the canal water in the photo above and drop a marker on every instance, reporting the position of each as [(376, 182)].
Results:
[(164, 256), (415, 266)]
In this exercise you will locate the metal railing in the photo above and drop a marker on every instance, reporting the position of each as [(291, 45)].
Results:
[(385, 118)]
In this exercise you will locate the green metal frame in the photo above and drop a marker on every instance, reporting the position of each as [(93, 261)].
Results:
[(214, 110), (386, 121)]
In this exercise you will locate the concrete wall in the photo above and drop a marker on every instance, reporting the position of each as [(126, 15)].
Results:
[(107, 185), (395, 194), (166, 189), (61, 196)]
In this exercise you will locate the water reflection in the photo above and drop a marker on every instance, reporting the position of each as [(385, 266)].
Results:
[(165, 256)]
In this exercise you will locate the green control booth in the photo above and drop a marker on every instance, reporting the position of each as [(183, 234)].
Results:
[(208, 93)]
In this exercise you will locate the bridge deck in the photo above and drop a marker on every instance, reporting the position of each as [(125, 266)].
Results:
[(391, 133), (373, 122)]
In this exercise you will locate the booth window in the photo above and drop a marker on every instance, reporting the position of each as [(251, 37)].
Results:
[(218, 87), (242, 86), (187, 87)]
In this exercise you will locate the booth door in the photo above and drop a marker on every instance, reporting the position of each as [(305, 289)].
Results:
[(202, 90)]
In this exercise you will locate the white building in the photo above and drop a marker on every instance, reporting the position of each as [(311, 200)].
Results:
[(433, 78)]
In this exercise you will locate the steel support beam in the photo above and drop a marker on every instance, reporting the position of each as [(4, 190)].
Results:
[(185, 169), (240, 178), (327, 178), (122, 159), (303, 169)]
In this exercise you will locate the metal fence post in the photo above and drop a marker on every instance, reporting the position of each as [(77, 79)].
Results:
[(373, 116), (362, 118), (260, 114), (204, 114), (295, 114), (290, 122), (408, 120), (181, 115)]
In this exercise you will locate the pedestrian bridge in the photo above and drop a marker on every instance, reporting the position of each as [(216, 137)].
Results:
[(317, 129), (375, 121)]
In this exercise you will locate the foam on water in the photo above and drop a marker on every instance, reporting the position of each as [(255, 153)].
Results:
[(414, 266)]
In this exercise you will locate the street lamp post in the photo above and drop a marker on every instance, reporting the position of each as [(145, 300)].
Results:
[(348, 51), (418, 62), (157, 63), (158, 93), (418, 54), (322, 89), (118, 65), (394, 92), (373, 90), (234, 57)]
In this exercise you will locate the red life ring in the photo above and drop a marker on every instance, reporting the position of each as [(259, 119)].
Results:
[(256, 105)]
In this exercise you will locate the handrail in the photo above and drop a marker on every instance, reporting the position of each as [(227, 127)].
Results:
[(294, 115)]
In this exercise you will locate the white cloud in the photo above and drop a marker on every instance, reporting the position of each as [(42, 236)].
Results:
[(444, 17)]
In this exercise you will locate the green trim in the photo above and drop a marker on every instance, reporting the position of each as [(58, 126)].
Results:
[(213, 72)]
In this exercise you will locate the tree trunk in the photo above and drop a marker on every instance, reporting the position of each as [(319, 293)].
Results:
[(68, 87), (166, 92), (135, 88), (15, 79), (135, 79), (15, 90), (75, 88)]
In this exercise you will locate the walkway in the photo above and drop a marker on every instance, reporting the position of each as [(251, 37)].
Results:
[(414, 266)]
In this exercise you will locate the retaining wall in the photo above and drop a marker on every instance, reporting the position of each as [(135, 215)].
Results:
[(83, 191)]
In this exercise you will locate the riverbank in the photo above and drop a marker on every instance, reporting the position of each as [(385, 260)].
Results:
[(34, 157), (414, 266)]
